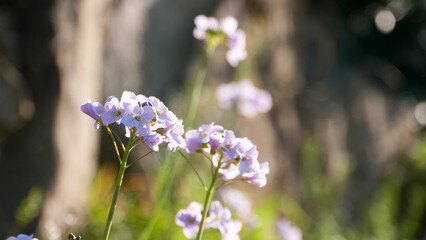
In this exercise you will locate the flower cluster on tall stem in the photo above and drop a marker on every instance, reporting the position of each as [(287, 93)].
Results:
[(218, 217), (233, 159), (146, 120), (155, 124), (225, 32), (236, 158), (248, 99), (212, 34)]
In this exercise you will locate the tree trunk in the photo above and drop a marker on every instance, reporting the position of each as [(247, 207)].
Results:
[(79, 40)]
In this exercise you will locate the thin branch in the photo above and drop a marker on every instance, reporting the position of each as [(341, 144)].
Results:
[(210, 160), (146, 154), (122, 145), (205, 155), (115, 143), (227, 182), (137, 142), (198, 175)]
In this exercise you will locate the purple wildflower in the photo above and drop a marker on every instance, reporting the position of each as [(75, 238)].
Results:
[(231, 230), (229, 171), (236, 48), (211, 134), (226, 31), (190, 219), (206, 137), (139, 117), (243, 151), (237, 156), (220, 218), (286, 230), (204, 24), (23, 237), (246, 154), (153, 141), (94, 110), (249, 100), (192, 139), (229, 25), (259, 177), (174, 137), (155, 124), (114, 111), (163, 113)]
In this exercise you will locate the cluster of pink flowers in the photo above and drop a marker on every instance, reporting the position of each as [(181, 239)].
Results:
[(154, 123), (249, 99), (218, 218), (237, 156), (207, 28)]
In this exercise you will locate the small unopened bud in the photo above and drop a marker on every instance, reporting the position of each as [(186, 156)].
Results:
[(73, 237)]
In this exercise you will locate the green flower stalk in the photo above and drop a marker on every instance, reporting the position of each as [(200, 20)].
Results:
[(207, 202), (197, 85), (118, 182), (171, 168)]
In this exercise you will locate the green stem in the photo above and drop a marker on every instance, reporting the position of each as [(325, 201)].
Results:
[(171, 167), (207, 201), (118, 183), (197, 86)]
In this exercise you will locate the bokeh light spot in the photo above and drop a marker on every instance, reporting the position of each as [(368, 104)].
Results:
[(385, 21), (420, 113)]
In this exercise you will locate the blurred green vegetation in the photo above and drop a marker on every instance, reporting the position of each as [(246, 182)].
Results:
[(28, 209)]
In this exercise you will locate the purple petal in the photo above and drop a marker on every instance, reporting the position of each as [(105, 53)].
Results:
[(141, 99), (191, 231), (230, 173), (192, 141), (131, 107), (144, 128), (216, 140), (129, 121), (153, 141), (111, 103), (109, 117), (94, 110), (229, 25), (127, 96), (148, 114), (259, 178)]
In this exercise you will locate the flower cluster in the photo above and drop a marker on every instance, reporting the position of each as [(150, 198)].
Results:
[(190, 219), (249, 100), (286, 230), (218, 218), (237, 157), (153, 122), (210, 29), (23, 237)]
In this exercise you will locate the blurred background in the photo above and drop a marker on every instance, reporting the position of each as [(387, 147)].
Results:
[(345, 138)]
